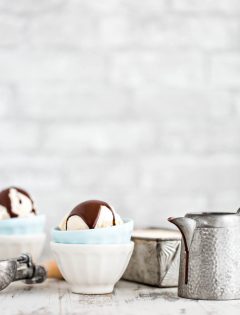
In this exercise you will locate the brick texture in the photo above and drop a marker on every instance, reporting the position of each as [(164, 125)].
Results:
[(133, 102)]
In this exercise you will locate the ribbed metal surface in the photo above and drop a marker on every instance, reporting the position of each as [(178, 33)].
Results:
[(155, 259)]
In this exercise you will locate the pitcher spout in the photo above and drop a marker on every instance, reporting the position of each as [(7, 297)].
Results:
[(187, 227)]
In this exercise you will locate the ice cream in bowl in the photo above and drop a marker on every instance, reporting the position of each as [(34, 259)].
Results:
[(21, 227), (92, 247)]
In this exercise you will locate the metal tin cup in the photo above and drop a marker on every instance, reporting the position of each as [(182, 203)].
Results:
[(210, 255), (155, 259)]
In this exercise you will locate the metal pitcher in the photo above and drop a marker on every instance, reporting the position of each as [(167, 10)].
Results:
[(210, 255)]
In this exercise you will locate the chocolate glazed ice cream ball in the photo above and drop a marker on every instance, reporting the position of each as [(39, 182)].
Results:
[(90, 214), (16, 202)]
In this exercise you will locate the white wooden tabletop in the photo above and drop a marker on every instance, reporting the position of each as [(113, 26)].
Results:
[(54, 297)]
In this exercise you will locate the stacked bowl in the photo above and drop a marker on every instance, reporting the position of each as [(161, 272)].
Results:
[(21, 228), (93, 260)]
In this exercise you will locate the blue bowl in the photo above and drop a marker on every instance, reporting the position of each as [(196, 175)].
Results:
[(30, 225), (118, 234)]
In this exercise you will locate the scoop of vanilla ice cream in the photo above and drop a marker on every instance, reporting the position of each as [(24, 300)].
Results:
[(16, 202), (105, 219)]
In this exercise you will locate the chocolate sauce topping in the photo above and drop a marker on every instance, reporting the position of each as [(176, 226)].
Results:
[(89, 212), (6, 202)]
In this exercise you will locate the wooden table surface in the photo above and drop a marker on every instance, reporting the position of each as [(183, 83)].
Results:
[(54, 297)]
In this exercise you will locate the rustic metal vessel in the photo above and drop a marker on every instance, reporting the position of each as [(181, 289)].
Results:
[(210, 255), (155, 258)]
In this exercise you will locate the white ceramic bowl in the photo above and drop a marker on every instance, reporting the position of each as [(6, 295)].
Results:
[(12, 246), (92, 269)]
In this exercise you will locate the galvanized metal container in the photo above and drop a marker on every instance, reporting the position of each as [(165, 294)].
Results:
[(155, 259), (210, 255)]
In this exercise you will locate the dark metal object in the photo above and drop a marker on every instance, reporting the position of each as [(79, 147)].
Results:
[(21, 268)]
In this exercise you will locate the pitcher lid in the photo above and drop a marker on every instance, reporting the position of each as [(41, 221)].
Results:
[(215, 219)]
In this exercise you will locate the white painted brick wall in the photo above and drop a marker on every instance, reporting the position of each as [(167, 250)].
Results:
[(134, 102)]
